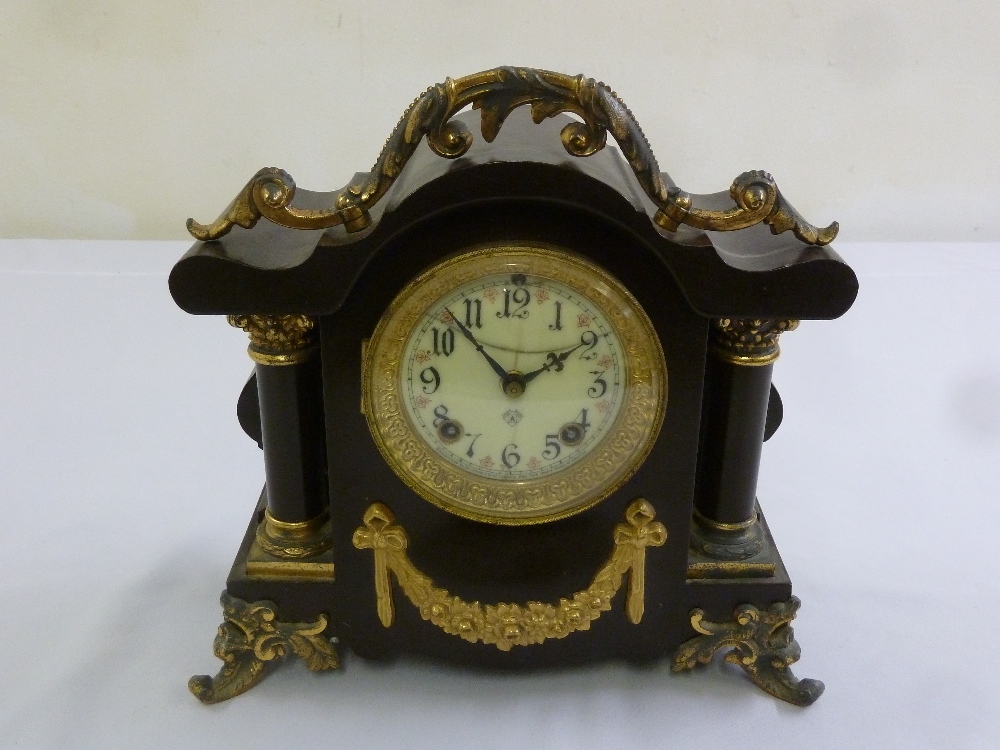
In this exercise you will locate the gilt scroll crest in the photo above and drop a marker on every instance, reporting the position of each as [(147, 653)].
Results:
[(496, 93), (509, 625)]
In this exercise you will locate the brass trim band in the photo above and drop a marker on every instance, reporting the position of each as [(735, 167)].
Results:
[(290, 569), (724, 569), (726, 527), (294, 539), (278, 360), (727, 355)]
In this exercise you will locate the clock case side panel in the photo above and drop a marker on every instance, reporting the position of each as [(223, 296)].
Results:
[(490, 563)]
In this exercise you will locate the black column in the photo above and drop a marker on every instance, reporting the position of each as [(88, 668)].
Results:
[(291, 421), (734, 410), (289, 387)]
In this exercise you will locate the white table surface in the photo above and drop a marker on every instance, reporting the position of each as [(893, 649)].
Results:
[(126, 484)]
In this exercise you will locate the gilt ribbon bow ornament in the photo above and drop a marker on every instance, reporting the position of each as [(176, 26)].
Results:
[(382, 535), (640, 532)]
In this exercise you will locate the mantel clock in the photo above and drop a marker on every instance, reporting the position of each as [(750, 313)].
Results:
[(511, 393)]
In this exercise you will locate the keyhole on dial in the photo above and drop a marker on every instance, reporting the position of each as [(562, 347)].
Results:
[(572, 433), (450, 431)]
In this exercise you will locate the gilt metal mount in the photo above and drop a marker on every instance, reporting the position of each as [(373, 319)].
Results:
[(249, 638), (749, 342), (496, 93), (762, 643), (508, 625), (278, 339)]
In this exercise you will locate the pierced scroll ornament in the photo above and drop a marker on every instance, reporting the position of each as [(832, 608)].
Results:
[(509, 625), (496, 93), (762, 643), (249, 638)]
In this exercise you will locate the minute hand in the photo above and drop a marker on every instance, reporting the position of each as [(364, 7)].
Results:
[(554, 362), (497, 368)]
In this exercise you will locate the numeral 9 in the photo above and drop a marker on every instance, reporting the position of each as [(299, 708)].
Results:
[(430, 375)]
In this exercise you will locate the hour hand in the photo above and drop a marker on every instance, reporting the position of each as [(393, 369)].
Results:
[(497, 368)]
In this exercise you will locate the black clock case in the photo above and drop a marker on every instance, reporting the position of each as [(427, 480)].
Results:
[(522, 188)]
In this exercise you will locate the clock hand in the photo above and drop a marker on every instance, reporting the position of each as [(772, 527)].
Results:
[(497, 368), (553, 362)]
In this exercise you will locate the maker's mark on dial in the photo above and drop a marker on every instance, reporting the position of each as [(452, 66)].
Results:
[(512, 416)]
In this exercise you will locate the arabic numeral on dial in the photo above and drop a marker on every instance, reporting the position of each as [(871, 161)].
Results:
[(470, 453), (509, 457), (557, 326), (440, 414), (589, 340), (473, 319), (444, 342), (598, 381), (431, 379), (582, 420), (552, 447), (520, 297)]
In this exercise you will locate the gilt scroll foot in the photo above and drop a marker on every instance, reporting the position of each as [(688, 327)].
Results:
[(249, 638), (762, 643)]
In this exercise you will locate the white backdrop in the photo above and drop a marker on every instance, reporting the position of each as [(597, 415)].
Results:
[(119, 119)]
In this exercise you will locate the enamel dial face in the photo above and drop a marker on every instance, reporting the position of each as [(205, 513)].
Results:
[(514, 384), (513, 377)]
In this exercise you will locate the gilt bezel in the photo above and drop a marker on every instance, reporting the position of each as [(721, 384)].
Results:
[(587, 481)]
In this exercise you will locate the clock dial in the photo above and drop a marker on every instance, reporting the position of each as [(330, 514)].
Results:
[(514, 384), (513, 376)]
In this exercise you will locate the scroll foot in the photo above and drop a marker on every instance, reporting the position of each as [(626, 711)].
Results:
[(762, 643), (249, 638)]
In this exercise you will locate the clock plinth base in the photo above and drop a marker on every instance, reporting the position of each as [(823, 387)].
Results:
[(745, 606)]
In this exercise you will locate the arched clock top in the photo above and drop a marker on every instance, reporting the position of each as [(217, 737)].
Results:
[(496, 93)]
